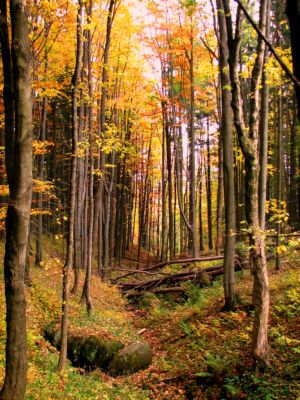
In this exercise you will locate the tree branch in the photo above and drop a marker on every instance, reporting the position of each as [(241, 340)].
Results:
[(271, 48)]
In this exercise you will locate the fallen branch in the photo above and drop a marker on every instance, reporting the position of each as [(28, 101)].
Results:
[(165, 263), (200, 277)]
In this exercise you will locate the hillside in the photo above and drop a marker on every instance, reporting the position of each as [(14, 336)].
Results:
[(200, 352)]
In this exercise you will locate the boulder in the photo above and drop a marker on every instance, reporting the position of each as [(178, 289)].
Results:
[(92, 352), (52, 334), (131, 359)]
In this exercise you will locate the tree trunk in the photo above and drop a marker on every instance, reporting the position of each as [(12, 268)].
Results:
[(86, 293), (18, 155), (279, 179), (248, 139), (70, 239), (264, 125), (208, 192), (227, 139), (293, 13), (193, 237)]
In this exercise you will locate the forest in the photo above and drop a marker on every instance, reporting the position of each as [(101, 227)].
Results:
[(149, 199)]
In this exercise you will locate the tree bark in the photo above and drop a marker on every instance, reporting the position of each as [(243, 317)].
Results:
[(17, 70)]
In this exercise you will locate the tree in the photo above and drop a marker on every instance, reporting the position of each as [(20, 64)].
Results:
[(18, 151), (227, 139), (293, 13), (248, 136), (70, 239)]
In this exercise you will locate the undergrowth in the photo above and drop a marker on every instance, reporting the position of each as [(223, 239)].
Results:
[(200, 352)]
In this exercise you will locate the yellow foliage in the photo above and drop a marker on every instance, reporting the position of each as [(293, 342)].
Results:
[(41, 147), (4, 190), (40, 186)]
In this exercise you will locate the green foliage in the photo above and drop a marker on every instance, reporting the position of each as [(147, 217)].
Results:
[(45, 384), (194, 293), (148, 301), (241, 249), (289, 303), (187, 330), (216, 368)]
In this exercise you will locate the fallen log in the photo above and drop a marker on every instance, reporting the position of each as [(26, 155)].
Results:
[(200, 277), (165, 263)]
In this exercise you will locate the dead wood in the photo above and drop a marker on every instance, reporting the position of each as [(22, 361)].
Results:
[(166, 263)]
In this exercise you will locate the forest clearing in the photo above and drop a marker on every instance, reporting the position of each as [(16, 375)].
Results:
[(150, 199)]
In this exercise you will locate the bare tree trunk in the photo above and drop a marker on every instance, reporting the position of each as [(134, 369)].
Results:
[(86, 293), (70, 239), (193, 237), (264, 124), (293, 206), (227, 139), (163, 185), (39, 239), (98, 204), (200, 208), (293, 13), (18, 156), (208, 191), (279, 178), (170, 193), (80, 199), (220, 197), (248, 139)]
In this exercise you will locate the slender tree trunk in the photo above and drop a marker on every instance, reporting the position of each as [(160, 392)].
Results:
[(193, 237), (293, 13), (293, 206), (163, 180), (200, 208), (98, 204), (41, 161), (18, 157), (220, 197), (209, 192), (170, 193), (80, 199), (248, 139), (264, 126), (279, 179), (86, 293), (70, 239), (228, 165)]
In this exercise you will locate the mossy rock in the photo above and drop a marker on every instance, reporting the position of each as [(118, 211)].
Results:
[(52, 334), (131, 359), (92, 352)]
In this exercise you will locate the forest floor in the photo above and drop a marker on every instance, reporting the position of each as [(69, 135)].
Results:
[(200, 352)]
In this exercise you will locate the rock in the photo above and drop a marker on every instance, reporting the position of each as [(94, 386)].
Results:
[(92, 352), (131, 359), (52, 334)]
